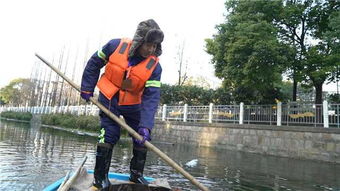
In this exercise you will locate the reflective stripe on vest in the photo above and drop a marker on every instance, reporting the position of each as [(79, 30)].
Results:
[(128, 81)]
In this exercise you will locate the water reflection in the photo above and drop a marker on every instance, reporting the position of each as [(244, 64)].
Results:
[(32, 157)]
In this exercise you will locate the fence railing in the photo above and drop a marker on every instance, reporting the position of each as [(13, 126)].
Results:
[(317, 115)]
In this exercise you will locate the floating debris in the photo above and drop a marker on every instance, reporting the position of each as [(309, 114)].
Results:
[(192, 163)]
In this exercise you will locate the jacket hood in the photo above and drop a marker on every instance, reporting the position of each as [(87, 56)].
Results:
[(147, 31)]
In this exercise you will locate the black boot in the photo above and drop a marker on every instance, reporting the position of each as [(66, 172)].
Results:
[(101, 169), (137, 166)]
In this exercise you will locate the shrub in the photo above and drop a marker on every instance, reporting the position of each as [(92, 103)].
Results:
[(26, 116), (89, 123)]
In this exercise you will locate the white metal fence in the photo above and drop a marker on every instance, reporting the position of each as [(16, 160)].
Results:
[(317, 115)]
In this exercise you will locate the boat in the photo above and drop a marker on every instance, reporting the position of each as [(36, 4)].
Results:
[(119, 182)]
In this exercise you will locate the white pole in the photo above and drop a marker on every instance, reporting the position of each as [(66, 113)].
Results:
[(185, 114), (241, 113), (325, 114), (211, 112), (164, 112), (279, 113)]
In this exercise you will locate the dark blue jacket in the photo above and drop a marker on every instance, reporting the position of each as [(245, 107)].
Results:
[(151, 95)]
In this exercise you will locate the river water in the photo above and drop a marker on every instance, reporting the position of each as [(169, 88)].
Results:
[(32, 157)]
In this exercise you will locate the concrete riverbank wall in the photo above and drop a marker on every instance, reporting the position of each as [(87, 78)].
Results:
[(322, 144)]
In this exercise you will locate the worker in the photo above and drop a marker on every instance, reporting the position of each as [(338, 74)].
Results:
[(129, 87)]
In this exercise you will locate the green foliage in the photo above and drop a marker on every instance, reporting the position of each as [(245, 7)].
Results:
[(334, 98), (301, 24), (193, 95), (246, 52), (222, 96), (89, 123), (332, 37), (17, 92), (286, 89), (2, 100), (83, 122), (261, 40), (26, 116)]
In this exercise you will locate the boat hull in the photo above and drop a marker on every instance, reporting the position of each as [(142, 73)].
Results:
[(117, 176)]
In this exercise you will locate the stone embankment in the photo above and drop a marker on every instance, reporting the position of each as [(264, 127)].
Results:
[(322, 144)]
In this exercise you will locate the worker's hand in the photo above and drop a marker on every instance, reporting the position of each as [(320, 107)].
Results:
[(145, 133), (86, 95)]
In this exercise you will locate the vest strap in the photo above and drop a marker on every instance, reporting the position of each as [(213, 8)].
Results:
[(123, 48)]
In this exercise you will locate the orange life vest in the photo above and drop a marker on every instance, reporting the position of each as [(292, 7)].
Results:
[(128, 80)]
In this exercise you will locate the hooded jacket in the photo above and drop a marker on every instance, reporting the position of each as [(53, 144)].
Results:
[(147, 31), (128, 80)]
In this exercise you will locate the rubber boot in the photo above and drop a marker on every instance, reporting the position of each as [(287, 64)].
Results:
[(101, 169), (137, 166)]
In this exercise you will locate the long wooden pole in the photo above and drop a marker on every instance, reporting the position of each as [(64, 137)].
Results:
[(68, 183), (130, 130)]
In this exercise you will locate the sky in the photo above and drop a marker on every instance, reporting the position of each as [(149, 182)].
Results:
[(81, 27), (46, 27)]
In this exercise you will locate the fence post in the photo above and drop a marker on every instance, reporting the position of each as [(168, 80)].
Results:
[(211, 112), (279, 114), (79, 110), (185, 114), (93, 109), (325, 114), (241, 113), (67, 109), (164, 112)]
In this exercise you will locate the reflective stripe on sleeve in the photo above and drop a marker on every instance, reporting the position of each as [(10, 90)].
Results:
[(101, 55), (153, 83)]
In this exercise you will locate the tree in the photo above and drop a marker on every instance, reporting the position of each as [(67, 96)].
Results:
[(318, 69), (182, 65), (246, 52), (301, 24), (293, 29), (334, 98), (261, 39), (17, 92), (332, 37)]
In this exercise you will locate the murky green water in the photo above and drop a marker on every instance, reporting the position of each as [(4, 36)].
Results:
[(33, 157)]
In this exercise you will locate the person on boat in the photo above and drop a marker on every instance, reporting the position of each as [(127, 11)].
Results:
[(129, 87)]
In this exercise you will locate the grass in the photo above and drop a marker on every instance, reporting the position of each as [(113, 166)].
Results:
[(67, 120), (26, 116), (82, 122)]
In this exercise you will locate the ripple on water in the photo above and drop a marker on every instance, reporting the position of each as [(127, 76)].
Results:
[(32, 158)]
